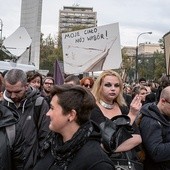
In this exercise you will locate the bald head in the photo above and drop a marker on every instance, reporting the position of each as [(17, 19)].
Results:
[(164, 102), (165, 93)]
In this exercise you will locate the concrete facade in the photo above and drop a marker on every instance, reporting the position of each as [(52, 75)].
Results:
[(72, 16), (148, 48), (144, 49), (129, 51), (31, 12)]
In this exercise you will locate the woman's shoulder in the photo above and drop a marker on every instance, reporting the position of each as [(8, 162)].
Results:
[(92, 155), (97, 115)]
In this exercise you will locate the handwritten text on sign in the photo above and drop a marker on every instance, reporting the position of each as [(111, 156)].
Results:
[(79, 39), (92, 49)]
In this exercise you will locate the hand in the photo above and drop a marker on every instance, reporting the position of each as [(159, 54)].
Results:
[(135, 107)]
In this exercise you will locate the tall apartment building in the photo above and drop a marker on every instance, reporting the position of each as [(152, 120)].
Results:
[(72, 16)]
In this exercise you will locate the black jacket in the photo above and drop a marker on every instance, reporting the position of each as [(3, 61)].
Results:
[(155, 130), (119, 136), (89, 157), (34, 131), (11, 156)]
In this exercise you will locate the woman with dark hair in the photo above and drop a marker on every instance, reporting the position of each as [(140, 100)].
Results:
[(1, 91), (74, 142), (72, 79), (2, 88), (34, 78)]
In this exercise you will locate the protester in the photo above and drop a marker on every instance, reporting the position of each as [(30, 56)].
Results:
[(75, 141), (142, 81), (127, 94), (72, 79), (127, 89), (48, 83), (155, 130), (34, 78), (141, 91), (108, 91), (31, 108), (2, 83), (163, 82), (1, 89), (1, 77), (87, 82), (11, 143)]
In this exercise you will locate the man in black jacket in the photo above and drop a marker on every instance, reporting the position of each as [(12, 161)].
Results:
[(11, 151), (23, 98), (155, 130)]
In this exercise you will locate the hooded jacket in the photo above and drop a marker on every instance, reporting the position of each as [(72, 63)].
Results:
[(155, 130), (11, 157), (34, 131)]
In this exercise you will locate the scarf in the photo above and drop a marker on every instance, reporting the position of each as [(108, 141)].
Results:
[(64, 153)]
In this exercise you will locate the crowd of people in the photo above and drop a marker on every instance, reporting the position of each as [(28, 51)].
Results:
[(87, 123)]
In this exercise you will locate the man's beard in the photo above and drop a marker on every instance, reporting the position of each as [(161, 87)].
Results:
[(47, 91)]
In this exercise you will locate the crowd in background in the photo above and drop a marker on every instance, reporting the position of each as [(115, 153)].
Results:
[(87, 123)]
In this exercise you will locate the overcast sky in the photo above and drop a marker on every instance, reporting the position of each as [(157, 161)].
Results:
[(134, 17)]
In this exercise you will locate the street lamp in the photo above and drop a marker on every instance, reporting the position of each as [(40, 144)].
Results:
[(136, 69)]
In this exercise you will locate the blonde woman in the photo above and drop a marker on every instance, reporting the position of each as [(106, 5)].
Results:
[(108, 91)]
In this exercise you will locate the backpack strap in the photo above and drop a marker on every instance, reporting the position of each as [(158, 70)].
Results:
[(37, 109), (10, 130)]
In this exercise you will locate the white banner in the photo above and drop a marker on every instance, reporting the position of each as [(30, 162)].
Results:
[(167, 52), (92, 49)]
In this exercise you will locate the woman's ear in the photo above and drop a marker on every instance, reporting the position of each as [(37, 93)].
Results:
[(72, 115)]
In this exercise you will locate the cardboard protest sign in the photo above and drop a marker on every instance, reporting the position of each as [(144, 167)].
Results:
[(166, 38), (92, 49)]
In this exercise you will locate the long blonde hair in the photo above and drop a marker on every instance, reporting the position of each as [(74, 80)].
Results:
[(96, 90)]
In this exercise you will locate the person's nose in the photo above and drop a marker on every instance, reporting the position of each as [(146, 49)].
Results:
[(48, 113), (37, 84), (13, 95), (112, 87)]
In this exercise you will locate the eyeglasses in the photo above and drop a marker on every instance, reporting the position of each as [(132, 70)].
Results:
[(88, 85), (167, 101), (46, 83), (143, 93)]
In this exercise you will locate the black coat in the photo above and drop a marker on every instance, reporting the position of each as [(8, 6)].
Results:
[(89, 157), (155, 130), (98, 117), (11, 156), (34, 131)]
